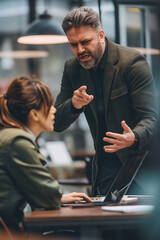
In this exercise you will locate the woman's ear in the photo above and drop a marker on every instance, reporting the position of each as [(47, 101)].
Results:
[(33, 115)]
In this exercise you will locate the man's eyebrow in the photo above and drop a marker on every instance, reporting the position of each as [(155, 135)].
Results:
[(85, 40), (72, 42)]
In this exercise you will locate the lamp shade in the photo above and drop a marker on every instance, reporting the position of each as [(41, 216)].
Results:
[(44, 30), (24, 54)]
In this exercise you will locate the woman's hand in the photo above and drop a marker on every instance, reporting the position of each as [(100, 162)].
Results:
[(74, 197)]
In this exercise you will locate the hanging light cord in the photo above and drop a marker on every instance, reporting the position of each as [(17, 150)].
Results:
[(99, 7)]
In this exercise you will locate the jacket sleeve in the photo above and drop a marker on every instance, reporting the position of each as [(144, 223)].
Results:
[(31, 178), (65, 115), (144, 99)]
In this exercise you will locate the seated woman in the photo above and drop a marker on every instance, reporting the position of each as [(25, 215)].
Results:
[(25, 111)]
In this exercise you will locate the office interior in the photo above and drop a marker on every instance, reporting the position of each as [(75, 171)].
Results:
[(132, 23)]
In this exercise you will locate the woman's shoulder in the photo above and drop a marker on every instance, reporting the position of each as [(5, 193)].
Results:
[(9, 134)]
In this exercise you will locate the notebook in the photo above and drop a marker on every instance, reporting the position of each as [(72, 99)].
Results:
[(120, 185)]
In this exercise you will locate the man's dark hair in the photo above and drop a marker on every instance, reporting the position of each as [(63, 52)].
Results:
[(83, 16)]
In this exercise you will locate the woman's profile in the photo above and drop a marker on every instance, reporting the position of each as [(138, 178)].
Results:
[(26, 110)]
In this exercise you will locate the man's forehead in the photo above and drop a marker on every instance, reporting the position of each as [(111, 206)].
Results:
[(80, 34)]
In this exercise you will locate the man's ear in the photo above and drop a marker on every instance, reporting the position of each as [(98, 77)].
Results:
[(102, 35), (33, 115)]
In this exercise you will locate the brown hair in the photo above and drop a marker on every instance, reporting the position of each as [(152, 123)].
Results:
[(82, 16), (23, 94)]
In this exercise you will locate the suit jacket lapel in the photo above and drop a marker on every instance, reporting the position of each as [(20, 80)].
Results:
[(88, 81), (109, 72), (107, 83)]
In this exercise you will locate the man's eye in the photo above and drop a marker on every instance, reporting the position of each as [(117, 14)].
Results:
[(73, 44), (85, 42)]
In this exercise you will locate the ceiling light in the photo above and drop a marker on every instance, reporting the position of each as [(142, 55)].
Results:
[(24, 54), (44, 30), (151, 51)]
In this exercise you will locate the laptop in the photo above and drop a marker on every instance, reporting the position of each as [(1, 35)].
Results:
[(120, 185)]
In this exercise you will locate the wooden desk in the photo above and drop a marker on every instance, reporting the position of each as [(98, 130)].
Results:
[(89, 221)]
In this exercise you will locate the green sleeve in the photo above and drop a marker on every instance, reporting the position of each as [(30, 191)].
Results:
[(31, 178), (144, 99)]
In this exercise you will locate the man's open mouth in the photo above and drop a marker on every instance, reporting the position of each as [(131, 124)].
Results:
[(85, 57)]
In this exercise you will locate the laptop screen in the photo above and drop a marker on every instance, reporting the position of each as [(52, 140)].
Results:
[(124, 178)]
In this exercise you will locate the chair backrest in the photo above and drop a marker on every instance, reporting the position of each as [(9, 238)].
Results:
[(4, 229)]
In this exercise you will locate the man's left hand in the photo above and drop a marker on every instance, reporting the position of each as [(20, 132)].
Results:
[(119, 141)]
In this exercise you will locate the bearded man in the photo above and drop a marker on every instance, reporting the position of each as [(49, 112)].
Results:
[(114, 87)]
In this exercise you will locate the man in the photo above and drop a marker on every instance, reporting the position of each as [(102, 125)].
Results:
[(113, 86)]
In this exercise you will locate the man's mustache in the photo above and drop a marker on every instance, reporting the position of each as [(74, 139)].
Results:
[(84, 53)]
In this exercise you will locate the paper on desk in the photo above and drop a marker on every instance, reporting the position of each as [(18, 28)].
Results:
[(129, 209), (129, 199)]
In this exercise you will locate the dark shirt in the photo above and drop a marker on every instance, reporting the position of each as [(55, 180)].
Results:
[(97, 76)]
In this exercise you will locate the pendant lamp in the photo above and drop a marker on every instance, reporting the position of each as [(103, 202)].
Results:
[(44, 30)]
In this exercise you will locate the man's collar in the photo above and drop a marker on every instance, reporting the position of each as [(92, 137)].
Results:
[(102, 62)]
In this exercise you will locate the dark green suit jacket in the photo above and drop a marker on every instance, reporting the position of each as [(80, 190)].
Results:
[(129, 94), (23, 176)]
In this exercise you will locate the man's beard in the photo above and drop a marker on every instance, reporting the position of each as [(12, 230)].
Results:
[(95, 57)]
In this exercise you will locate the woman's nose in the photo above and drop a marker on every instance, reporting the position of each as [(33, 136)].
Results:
[(53, 110)]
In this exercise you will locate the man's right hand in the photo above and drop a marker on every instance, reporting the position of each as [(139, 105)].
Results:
[(81, 98)]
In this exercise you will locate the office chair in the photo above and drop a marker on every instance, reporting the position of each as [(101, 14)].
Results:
[(5, 230)]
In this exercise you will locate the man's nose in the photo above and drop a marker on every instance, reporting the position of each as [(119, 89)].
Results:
[(80, 48)]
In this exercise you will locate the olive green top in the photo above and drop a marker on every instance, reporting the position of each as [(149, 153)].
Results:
[(23, 176)]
